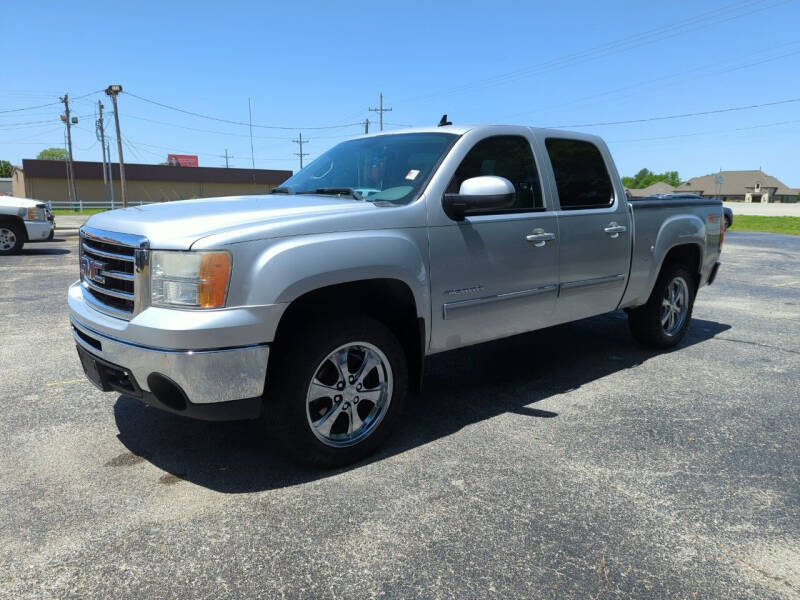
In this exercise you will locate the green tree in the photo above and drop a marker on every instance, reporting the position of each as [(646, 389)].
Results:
[(5, 168), (53, 154), (646, 178)]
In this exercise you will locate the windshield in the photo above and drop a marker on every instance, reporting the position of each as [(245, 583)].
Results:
[(389, 168)]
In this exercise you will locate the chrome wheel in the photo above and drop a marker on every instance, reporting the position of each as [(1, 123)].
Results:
[(675, 306), (8, 239), (349, 394)]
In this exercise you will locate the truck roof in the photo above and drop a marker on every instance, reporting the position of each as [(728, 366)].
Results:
[(497, 128)]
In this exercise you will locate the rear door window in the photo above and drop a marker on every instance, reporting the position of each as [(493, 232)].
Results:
[(581, 176)]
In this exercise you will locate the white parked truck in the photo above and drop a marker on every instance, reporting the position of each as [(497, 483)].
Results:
[(23, 220)]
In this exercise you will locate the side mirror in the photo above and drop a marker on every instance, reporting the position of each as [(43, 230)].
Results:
[(479, 194)]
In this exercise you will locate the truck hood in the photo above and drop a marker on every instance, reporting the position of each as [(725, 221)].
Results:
[(177, 225), (14, 202)]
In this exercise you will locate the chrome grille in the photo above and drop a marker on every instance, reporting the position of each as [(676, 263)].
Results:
[(114, 272)]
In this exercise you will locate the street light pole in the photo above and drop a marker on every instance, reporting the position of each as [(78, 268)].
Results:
[(113, 91)]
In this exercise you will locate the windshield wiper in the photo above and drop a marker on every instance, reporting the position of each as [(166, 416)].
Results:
[(281, 190), (338, 191)]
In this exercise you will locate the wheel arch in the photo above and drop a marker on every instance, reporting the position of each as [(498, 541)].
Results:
[(689, 255), (389, 300), (17, 221)]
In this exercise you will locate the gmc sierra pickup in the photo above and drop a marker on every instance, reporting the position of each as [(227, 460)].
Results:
[(315, 306)]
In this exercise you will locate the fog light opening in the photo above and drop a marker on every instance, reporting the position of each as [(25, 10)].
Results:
[(167, 391)]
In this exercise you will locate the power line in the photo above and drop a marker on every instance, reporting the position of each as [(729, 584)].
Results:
[(26, 124), (10, 110), (175, 151), (683, 76), (201, 130), (231, 133), (699, 133), (678, 28), (243, 123), (679, 116)]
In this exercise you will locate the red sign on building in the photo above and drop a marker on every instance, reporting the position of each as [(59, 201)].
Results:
[(182, 160)]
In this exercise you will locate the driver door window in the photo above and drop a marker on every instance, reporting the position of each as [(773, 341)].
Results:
[(508, 156)]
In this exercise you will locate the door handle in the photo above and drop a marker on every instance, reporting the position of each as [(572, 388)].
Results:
[(540, 237), (613, 230)]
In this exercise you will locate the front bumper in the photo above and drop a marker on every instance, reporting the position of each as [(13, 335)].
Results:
[(38, 231), (206, 379)]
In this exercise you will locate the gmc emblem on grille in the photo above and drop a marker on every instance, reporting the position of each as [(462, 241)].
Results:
[(92, 269)]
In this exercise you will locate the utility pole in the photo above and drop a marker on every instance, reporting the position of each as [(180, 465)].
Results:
[(301, 154), (101, 137), (380, 110), (366, 126), (113, 91), (252, 156), (110, 177), (226, 156), (70, 170)]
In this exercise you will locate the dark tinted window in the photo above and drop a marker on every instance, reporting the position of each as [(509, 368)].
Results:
[(581, 176), (506, 156)]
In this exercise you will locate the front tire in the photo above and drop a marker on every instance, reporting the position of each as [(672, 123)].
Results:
[(11, 238), (335, 390), (664, 320)]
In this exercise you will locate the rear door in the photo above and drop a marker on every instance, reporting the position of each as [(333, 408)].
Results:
[(594, 226), (490, 276)]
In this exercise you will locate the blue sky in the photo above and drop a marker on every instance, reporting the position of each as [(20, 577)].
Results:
[(315, 64)]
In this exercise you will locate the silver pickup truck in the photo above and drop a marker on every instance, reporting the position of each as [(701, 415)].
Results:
[(315, 306)]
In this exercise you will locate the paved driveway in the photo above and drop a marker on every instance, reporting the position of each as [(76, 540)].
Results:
[(567, 463)]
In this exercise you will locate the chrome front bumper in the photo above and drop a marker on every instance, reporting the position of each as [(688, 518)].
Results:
[(205, 376)]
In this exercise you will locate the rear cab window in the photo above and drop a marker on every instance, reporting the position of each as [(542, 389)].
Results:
[(581, 175)]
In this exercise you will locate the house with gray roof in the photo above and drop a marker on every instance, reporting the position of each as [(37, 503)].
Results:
[(660, 187)]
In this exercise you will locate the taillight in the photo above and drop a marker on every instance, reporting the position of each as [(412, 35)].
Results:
[(721, 231)]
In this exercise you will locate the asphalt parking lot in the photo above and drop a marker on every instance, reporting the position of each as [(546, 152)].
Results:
[(567, 463)]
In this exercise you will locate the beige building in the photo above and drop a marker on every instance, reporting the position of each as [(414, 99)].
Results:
[(742, 186), (46, 180)]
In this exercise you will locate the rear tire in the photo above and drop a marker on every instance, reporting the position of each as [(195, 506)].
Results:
[(12, 236), (663, 321), (335, 390)]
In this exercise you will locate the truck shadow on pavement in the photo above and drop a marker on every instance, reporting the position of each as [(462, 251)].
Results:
[(462, 387)]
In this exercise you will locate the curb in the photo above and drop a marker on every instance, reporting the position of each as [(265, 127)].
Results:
[(66, 232)]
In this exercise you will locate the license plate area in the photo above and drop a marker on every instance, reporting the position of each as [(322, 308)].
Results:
[(106, 376)]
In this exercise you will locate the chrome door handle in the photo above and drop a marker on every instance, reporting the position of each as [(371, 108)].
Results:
[(614, 230), (540, 237)]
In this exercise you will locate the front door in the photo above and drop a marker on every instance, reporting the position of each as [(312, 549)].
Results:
[(495, 274)]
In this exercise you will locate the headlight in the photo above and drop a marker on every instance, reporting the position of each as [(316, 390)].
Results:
[(189, 279), (33, 214)]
